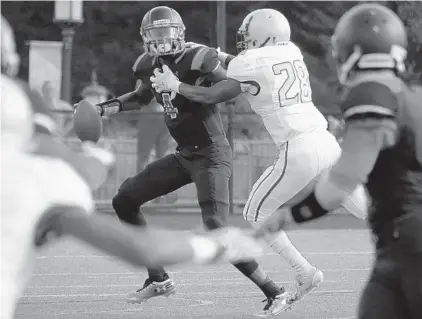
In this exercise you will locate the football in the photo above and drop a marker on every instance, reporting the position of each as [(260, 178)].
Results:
[(87, 122)]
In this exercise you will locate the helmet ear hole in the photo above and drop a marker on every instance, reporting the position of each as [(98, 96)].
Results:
[(254, 43)]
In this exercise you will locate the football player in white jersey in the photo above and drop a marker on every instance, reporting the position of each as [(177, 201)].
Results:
[(271, 74), (46, 192)]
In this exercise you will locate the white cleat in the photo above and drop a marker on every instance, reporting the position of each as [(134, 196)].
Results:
[(275, 306), (305, 284)]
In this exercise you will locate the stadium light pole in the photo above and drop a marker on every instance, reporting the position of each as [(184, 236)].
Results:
[(68, 15), (222, 43)]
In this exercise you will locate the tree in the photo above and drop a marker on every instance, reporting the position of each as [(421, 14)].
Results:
[(109, 38)]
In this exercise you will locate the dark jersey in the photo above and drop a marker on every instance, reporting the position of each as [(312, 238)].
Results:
[(395, 183), (190, 123)]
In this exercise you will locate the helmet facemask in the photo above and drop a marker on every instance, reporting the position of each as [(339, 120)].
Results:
[(242, 40), (163, 38), (370, 61)]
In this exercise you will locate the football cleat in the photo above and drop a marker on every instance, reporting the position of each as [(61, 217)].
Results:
[(152, 289), (275, 305), (305, 284)]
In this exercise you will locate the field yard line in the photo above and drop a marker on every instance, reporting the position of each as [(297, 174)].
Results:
[(131, 274), (267, 254), (215, 294), (210, 282)]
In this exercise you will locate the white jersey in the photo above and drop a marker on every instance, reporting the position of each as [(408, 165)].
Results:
[(276, 84), (30, 185)]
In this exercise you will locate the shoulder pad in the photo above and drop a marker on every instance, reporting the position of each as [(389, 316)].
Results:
[(143, 65), (369, 100)]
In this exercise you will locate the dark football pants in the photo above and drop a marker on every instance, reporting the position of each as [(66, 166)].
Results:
[(394, 290), (209, 168)]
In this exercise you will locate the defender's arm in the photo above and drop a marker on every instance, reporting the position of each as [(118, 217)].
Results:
[(229, 84), (134, 246), (219, 92)]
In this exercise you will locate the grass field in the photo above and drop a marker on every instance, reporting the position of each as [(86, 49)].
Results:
[(73, 281)]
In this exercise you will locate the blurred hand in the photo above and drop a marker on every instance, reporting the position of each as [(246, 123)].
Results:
[(105, 156), (278, 221), (240, 245)]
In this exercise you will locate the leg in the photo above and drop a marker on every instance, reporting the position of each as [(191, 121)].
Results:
[(278, 184), (157, 179), (211, 175), (290, 176)]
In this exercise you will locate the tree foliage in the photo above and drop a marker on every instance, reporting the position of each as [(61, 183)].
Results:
[(109, 39)]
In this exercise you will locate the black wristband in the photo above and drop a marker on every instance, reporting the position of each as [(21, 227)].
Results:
[(110, 107), (308, 209)]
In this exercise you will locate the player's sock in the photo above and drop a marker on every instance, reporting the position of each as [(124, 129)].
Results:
[(282, 245), (157, 274), (259, 277)]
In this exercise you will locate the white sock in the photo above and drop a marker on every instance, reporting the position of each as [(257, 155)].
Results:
[(282, 245)]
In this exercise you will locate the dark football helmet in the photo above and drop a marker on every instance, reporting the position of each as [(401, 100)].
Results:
[(9, 58), (369, 36), (163, 31)]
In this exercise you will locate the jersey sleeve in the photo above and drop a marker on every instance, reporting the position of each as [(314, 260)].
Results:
[(369, 100), (240, 70), (372, 107), (205, 60)]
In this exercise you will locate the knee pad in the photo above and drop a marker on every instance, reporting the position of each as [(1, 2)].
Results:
[(127, 210)]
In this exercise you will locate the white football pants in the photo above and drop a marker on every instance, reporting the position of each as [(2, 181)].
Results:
[(293, 175)]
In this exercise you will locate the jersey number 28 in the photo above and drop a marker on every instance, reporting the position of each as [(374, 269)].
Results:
[(294, 86)]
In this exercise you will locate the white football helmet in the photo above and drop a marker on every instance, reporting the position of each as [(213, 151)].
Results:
[(261, 28)]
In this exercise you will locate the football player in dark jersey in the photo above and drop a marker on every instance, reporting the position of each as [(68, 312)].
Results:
[(382, 148), (203, 155)]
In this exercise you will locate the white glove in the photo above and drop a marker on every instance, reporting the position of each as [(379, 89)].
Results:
[(165, 80)]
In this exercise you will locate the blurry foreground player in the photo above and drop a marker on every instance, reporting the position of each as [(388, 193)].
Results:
[(382, 148), (270, 65), (43, 196), (203, 155)]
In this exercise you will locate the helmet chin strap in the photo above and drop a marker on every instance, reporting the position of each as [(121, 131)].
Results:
[(265, 42)]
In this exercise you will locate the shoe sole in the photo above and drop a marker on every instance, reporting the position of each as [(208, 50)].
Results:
[(137, 301)]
